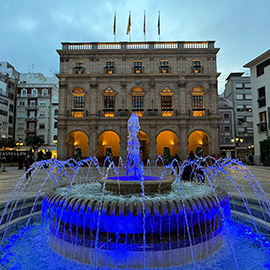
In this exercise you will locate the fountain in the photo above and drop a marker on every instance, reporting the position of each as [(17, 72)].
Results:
[(135, 220)]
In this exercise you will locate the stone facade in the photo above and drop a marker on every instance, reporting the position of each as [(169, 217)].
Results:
[(189, 81)]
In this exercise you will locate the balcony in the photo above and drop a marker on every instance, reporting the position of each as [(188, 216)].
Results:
[(261, 102), (79, 70), (262, 127), (165, 69), (196, 69), (109, 112), (176, 45), (109, 70), (198, 112), (138, 70), (139, 112)]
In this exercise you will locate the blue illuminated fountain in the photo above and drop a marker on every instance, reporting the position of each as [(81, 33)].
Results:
[(132, 221)]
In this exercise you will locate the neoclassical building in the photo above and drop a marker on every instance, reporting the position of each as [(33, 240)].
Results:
[(171, 86)]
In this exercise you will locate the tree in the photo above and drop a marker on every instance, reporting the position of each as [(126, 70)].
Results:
[(34, 141), (6, 142)]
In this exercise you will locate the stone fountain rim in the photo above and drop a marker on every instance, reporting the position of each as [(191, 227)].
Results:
[(192, 205)]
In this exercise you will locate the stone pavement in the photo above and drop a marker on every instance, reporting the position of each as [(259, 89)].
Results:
[(9, 179)]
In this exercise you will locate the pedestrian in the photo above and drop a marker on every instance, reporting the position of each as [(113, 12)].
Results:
[(4, 162), (27, 163)]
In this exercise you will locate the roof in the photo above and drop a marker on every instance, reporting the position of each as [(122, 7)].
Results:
[(235, 74), (258, 59)]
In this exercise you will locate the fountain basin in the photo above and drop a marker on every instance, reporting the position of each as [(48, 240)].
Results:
[(130, 185), (137, 229)]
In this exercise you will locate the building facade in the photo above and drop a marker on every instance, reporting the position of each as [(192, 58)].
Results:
[(35, 108), (238, 91), (226, 128), (171, 86), (9, 78), (260, 85)]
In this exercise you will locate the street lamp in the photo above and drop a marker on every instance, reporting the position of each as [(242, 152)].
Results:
[(237, 141)]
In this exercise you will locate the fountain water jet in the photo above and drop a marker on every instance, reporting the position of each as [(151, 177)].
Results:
[(141, 228)]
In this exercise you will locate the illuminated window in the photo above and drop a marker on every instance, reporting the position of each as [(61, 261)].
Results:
[(78, 102), (79, 67), (138, 101), (198, 101), (109, 68), (196, 66), (166, 102), (164, 66), (138, 66), (109, 103)]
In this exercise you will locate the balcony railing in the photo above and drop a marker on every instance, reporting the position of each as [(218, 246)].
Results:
[(262, 127), (176, 45), (78, 70)]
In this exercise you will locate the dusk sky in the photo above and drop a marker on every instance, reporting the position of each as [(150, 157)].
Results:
[(31, 31)]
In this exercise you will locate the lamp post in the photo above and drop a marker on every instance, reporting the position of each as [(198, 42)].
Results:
[(237, 141)]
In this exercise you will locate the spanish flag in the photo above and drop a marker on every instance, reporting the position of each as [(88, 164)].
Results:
[(129, 23)]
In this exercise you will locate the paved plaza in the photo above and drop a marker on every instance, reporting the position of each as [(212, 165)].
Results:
[(9, 179)]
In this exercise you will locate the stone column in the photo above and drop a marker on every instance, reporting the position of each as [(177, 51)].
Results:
[(62, 110), (61, 142), (123, 141), (93, 98), (214, 138), (182, 97), (152, 144), (93, 141), (183, 141)]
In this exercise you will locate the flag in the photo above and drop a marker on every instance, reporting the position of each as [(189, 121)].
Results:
[(144, 24), (114, 24), (158, 25), (129, 24)]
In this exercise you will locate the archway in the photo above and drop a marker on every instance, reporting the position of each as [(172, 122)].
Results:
[(77, 139), (108, 141), (198, 142), (144, 146), (167, 139)]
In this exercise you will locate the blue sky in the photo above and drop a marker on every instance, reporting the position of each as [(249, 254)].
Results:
[(32, 30)]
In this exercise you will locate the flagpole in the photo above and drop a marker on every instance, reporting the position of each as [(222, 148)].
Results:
[(130, 26), (159, 24)]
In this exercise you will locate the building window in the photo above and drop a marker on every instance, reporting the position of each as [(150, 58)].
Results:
[(196, 66), (227, 128), (166, 102), (240, 108), (260, 67), (249, 119), (21, 114), (55, 124), (34, 93), (20, 125), (32, 114), (42, 103), (32, 126), (227, 140), (164, 66), (44, 92), (79, 68), (247, 86), (4, 102), (22, 103), (109, 102), (239, 96), (138, 100), (240, 120), (56, 112), (238, 85), (138, 66), (248, 108), (198, 101), (24, 93), (109, 68), (248, 97), (249, 130), (241, 130), (226, 115), (263, 124), (78, 102), (41, 126), (55, 139), (261, 97), (32, 104), (42, 115)]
